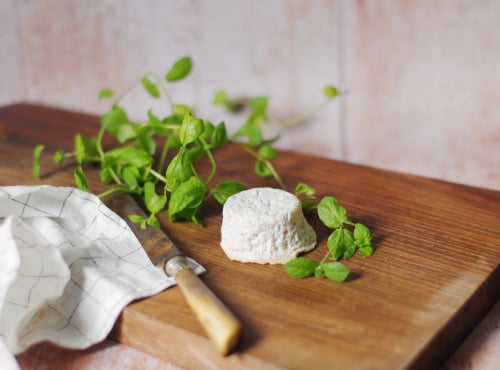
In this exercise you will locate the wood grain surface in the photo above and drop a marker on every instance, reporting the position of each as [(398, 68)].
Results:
[(432, 277)]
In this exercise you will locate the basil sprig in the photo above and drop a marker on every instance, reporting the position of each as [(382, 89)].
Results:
[(342, 242), (157, 159), (160, 154)]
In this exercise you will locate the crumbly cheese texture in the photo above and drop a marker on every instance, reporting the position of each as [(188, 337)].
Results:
[(265, 225)]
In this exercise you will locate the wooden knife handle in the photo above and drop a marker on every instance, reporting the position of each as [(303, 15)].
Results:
[(219, 323)]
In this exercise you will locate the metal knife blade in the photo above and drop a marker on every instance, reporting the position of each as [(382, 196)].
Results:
[(155, 242), (218, 321)]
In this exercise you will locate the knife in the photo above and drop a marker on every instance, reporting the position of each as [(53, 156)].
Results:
[(220, 324)]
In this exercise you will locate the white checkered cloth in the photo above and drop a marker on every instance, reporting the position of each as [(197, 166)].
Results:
[(68, 267)]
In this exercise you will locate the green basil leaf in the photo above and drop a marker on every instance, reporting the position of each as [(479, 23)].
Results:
[(157, 204), (58, 156), (85, 149), (182, 110), (156, 125), (219, 136), (318, 271), (146, 142), (267, 151), (255, 136), (251, 129), (195, 153), (154, 202), (123, 132), (208, 129), (366, 250), (106, 93), (80, 179), (114, 117), (232, 105), (225, 189), (129, 175), (301, 267), (80, 148), (306, 195), (150, 87), (349, 246), (153, 220), (331, 213), (335, 271), (259, 105), (116, 122), (105, 175), (135, 157), (173, 142), (220, 98), (149, 192), (304, 189), (186, 200), (152, 118), (331, 92), (262, 169), (179, 169), (190, 130), (135, 218), (362, 235), (179, 70), (307, 204), (335, 243), (37, 153)]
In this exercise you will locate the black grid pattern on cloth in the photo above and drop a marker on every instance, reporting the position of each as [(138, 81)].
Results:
[(113, 259)]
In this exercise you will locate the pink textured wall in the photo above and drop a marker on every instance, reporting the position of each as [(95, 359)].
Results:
[(422, 76), (425, 83)]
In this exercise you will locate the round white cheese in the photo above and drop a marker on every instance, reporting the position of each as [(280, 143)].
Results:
[(265, 225)]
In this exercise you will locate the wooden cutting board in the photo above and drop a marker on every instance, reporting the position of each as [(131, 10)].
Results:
[(433, 276)]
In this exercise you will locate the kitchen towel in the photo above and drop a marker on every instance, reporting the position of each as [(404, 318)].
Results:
[(68, 267)]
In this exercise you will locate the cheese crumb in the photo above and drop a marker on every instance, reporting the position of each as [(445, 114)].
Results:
[(265, 225)]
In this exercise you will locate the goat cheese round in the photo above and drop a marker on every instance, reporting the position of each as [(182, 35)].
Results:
[(265, 225)]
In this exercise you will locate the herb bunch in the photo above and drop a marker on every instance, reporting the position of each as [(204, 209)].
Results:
[(138, 165), (342, 242)]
